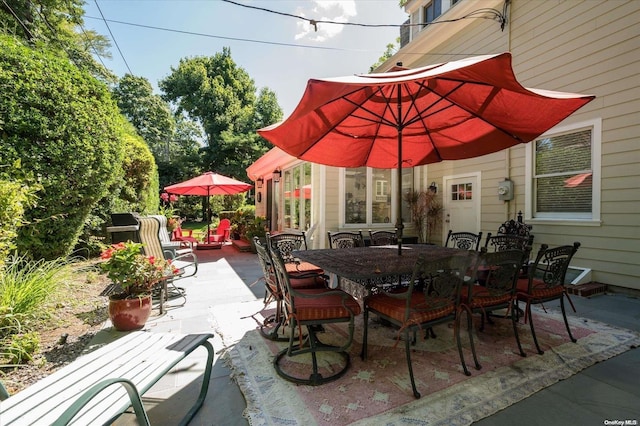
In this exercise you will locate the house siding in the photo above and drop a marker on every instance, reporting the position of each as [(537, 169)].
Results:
[(590, 47)]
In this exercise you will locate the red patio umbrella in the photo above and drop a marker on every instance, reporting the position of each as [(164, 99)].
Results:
[(409, 117), (208, 184)]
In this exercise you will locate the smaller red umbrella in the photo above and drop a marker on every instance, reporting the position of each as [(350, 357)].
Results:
[(208, 184)]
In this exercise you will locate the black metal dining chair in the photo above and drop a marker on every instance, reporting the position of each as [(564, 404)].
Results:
[(345, 239), (412, 311), (383, 238), (463, 240), (313, 309), (545, 282), (286, 243), (497, 275), (502, 242), (274, 292)]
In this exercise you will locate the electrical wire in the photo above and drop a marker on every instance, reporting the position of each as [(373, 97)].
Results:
[(477, 14), (95, 52), (152, 27), (112, 36), (19, 20), (483, 13), (274, 43)]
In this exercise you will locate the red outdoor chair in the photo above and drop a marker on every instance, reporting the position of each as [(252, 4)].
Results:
[(180, 234), (222, 233)]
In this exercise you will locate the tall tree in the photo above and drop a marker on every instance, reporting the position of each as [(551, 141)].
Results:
[(148, 113), (213, 90), (58, 25), (221, 96)]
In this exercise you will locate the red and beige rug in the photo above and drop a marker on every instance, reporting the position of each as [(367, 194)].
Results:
[(378, 390)]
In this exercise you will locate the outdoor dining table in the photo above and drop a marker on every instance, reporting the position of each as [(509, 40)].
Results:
[(375, 265)]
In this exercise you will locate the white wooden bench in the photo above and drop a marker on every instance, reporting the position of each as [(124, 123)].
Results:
[(98, 387)]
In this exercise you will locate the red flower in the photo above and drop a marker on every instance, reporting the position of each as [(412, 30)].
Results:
[(107, 253)]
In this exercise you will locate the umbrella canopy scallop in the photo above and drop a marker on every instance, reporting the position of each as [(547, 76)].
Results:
[(209, 183), (409, 117), (405, 118)]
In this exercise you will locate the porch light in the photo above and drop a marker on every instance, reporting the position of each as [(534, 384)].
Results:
[(259, 182), (277, 174), (433, 187)]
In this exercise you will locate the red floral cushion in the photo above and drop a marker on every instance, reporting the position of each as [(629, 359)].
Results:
[(325, 306), (481, 297), (298, 280), (306, 267), (420, 311), (539, 289)]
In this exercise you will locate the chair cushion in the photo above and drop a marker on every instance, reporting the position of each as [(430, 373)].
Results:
[(325, 306), (420, 312), (299, 281), (539, 290), (303, 267), (482, 297)]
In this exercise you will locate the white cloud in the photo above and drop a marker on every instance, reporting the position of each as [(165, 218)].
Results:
[(325, 10)]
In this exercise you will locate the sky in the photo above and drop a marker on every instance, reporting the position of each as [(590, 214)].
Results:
[(277, 51)]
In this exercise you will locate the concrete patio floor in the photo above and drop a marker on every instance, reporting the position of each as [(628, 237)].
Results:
[(607, 391)]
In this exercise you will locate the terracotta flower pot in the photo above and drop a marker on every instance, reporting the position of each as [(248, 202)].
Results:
[(129, 314)]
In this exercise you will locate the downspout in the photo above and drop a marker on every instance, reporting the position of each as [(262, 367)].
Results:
[(506, 13)]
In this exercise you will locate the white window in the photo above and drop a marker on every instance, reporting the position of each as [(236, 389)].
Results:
[(296, 183), (431, 11), (369, 196), (563, 173)]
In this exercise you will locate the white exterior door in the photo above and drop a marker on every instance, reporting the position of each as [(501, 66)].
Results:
[(461, 204)]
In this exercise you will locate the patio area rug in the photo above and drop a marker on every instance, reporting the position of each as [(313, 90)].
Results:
[(378, 390)]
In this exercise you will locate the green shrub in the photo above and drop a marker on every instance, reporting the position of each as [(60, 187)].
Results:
[(15, 196), (62, 124), (134, 190), (256, 228), (20, 348), (25, 287)]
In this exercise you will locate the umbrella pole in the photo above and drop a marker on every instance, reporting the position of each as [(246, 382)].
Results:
[(208, 218), (399, 224)]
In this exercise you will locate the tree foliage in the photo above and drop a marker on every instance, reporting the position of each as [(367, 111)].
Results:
[(148, 113), (391, 49), (53, 23), (17, 193), (134, 189), (212, 90), (173, 139), (221, 97), (62, 124)]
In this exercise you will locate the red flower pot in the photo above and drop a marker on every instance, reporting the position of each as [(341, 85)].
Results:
[(129, 314)]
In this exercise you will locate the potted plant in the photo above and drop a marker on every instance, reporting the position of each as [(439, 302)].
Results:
[(135, 275), (173, 221), (426, 212), (256, 228)]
